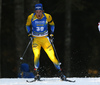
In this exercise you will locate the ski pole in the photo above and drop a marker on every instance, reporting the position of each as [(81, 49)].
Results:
[(56, 53), (21, 58)]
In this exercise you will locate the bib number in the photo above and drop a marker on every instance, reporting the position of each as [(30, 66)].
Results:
[(39, 28)]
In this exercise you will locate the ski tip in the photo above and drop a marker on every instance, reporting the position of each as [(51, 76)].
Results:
[(30, 81), (73, 81), (67, 80)]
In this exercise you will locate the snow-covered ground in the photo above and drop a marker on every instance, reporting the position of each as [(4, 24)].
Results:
[(50, 81)]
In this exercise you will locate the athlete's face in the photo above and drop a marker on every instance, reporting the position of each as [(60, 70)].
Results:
[(39, 13)]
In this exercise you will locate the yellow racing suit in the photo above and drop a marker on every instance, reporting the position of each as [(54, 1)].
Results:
[(41, 39)]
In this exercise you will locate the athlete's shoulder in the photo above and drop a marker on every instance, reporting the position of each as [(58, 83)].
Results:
[(30, 16), (48, 16), (29, 19)]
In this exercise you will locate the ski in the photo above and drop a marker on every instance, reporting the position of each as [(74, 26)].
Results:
[(67, 80), (32, 80)]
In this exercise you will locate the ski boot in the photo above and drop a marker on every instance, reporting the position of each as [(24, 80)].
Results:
[(37, 76), (62, 76)]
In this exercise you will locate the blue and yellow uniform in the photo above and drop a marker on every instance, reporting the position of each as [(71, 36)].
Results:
[(41, 39)]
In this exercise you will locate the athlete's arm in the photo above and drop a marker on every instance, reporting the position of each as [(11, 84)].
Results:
[(51, 23), (28, 23)]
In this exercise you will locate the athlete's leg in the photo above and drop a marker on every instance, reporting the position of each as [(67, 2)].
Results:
[(36, 50), (50, 52)]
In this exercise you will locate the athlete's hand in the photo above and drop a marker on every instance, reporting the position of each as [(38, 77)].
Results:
[(30, 36), (51, 38)]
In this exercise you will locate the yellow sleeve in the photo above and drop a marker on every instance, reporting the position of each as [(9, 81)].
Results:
[(28, 23), (49, 19)]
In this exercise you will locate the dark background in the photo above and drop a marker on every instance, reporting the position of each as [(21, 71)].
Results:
[(85, 38)]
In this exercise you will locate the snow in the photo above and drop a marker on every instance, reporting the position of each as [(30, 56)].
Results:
[(50, 81)]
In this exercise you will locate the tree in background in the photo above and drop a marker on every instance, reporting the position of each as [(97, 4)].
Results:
[(67, 42), (19, 27), (21, 14)]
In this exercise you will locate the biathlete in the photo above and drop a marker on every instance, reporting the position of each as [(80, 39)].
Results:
[(39, 22)]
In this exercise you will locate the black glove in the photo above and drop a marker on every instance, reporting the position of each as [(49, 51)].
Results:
[(30, 36), (51, 38)]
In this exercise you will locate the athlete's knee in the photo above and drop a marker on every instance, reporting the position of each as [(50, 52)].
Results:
[(37, 55)]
